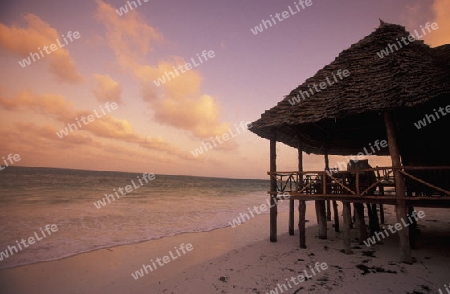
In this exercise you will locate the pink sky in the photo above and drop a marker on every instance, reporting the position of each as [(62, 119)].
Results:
[(154, 129)]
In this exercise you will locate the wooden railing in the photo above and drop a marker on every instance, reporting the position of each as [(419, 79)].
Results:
[(420, 181)]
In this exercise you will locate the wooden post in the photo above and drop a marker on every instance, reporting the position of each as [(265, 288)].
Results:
[(291, 217), (273, 188), (301, 205), (381, 187), (328, 210), (302, 223), (336, 216), (316, 204), (400, 188), (360, 222), (327, 168), (322, 219), (381, 193), (292, 202), (335, 205), (321, 209), (347, 224), (412, 229)]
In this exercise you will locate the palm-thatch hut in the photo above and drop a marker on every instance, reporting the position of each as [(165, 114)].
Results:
[(355, 101)]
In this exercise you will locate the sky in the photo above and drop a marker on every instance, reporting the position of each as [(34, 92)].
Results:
[(106, 64)]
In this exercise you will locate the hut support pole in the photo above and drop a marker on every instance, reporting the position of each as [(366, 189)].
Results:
[(334, 203), (322, 219), (273, 189), (347, 225), (327, 167), (400, 188), (336, 216), (381, 188), (301, 205), (328, 210), (302, 223), (321, 209), (292, 202), (291, 217), (360, 222)]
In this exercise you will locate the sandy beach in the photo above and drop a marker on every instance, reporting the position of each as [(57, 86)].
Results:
[(242, 260)]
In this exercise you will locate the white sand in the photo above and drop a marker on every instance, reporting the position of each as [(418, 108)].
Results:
[(242, 260)]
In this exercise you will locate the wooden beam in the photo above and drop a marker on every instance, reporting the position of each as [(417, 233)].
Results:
[(400, 188), (273, 187)]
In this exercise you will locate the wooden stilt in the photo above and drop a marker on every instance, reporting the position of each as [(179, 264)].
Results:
[(321, 211), (353, 222), (381, 192), (412, 229), (400, 188), (291, 217), (376, 220), (273, 189), (301, 205), (322, 219), (374, 223), (360, 223), (327, 168), (336, 216), (347, 222), (328, 210), (302, 223), (316, 204)]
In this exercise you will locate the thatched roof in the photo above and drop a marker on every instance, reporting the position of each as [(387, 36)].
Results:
[(346, 116)]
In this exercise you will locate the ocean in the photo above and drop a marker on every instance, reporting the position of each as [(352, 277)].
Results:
[(31, 198)]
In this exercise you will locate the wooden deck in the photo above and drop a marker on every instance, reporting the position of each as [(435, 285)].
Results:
[(426, 186), (419, 186)]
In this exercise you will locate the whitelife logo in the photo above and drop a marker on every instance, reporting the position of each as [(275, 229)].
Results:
[(53, 47), (90, 118), (395, 228), (165, 260), (343, 164), (206, 146), (266, 24), (128, 189), (31, 240), (243, 217), (184, 67), (411, 38), (322, 85), (11, 157), (124, 9), (423, 123)]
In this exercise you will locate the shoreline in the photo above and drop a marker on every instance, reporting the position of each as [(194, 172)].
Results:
[(123, 260), (243, 260), (110, 247)]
